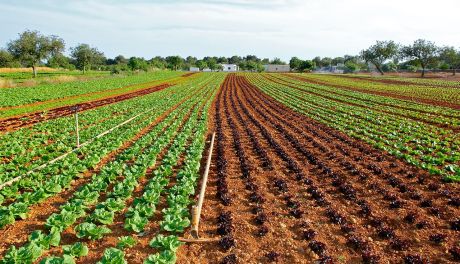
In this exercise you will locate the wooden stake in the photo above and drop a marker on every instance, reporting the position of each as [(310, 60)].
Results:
[(76, 128), (199, 240), (196, 210)]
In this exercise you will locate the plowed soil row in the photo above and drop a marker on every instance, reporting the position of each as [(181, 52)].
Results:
[(33, 118), (326, 196), (389, 94)]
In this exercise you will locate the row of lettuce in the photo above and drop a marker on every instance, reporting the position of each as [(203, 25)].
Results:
[(179, 139), (442, 91), (428, 144), (30, 147), (26, 95)]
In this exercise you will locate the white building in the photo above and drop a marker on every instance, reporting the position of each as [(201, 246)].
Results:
[(229, 67), (277, 68), (194, 69)]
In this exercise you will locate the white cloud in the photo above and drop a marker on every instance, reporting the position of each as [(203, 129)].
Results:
[(276, 28)]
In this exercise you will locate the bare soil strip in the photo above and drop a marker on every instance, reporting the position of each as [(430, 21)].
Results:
[(327, 196), (33, 118)]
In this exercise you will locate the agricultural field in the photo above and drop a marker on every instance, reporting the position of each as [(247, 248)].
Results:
[(306, 168)]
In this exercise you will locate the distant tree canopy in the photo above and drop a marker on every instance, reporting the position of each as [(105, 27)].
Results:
[(6, 58), (450, 57), (31, 48), (277, 61), (299, 65), (379, 53), (422, 52), (174, 62), (84, 56)]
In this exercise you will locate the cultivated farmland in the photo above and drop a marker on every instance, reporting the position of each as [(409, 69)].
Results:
[(305, 168)]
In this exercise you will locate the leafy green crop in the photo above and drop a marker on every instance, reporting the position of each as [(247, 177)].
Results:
[(91, 231), (113, 256)]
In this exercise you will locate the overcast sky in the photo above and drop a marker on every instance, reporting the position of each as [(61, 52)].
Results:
[(266, 28)]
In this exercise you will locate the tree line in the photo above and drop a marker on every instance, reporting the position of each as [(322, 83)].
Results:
[(33, 49), (389, 56)]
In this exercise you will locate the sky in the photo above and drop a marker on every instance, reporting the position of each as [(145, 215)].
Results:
[(267, 29)]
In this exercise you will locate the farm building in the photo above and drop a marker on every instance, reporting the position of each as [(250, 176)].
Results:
[(229, 67), (277, 68), (194, 69)]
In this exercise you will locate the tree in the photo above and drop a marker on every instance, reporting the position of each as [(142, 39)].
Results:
[(451, 57), (120, 59), (6, 59), (174, 62), (135, 63), (326, 62), (222, 60), (317, 61), (60, 61), (190, 60), (158, 62), (84, 56), (351, 66), (31, 48), (295, 63), (337, 60), (277, 61), (379, 53), (306, 65), (212, 64), (235, 59), (422, 52), (201, 64)]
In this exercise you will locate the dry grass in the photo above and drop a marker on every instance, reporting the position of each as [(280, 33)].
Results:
[(60, 79), (6, 83), (10, 70)]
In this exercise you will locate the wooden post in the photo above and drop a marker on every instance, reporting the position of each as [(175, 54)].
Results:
[(77, 132), (196, 210)]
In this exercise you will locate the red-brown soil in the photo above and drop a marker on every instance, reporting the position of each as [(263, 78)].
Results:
[(188, 74), (298, 191), (33, 118)]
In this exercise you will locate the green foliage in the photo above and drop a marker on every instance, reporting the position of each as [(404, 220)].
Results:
[(32, 47), (422, 52), (91, 231), (162, 242), (78, 249), (84, 56), (379, 53), (66, 259), (165, 257), (6, 58), (136, 223), (126, 242), (113, 256)]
